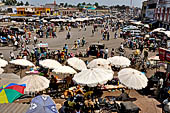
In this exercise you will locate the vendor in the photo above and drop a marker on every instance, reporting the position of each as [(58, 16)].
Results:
[(166, 105)]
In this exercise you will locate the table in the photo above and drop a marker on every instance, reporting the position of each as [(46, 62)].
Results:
[(109, 87)]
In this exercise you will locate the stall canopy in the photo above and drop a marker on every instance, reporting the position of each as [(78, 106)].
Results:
[(166, 33)]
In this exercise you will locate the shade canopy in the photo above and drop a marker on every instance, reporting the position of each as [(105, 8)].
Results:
[(22, 62), (64, 70), (77, 63), (93, 77), (42, 104), (119, 61), (3, 63), (1, 70), (132, 78), (35, 83), (49, 63), (158, 29), (100, 62), (10, 92), (9, 76)]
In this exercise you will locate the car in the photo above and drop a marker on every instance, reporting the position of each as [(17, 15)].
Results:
[(18, 30), (129, 28), (135, 32), (94, 47)]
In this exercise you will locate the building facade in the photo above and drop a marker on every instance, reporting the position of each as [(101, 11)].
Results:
[(150, 9), (162, 13), (68, 11)]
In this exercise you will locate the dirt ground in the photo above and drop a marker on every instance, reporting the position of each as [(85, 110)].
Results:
[(146, 104)]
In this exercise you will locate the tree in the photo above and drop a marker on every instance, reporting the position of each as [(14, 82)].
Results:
[(21, 3), (26, 4), (70, 5), (83, 3), (3, 1), (96, 4), (14, 2), (89, 4), (65, 5), (78, 5)]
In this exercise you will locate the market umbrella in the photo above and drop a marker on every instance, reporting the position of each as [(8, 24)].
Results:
[(10, 92), (35, 83), (64, 70), (49, 63), (42, 104), (9, 76), (22, 62), (132, 78), (3, 63), (159, 29), (100, 62), (1, 70), (119, 61), (6, 78), (93, 77), (77, 63)]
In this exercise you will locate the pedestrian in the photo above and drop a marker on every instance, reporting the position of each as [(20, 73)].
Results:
[(66, 48), (106, 53), (12, 56), (108, 35), (35, 39), (83, 42), (145, 54), (166, 105), (92, 32), (78, 42), (112, 52), (115, 35), (68, 35), (16, 44), (85, 28)]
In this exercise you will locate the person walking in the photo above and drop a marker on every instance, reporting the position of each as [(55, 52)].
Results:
[(35, 39), (106, 53), (108, 35)]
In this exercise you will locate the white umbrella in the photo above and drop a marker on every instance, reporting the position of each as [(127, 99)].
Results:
[(77, 63), (158, 29), (9, 76), (1, 70), (132, 78), (64, 70), (119, 61), (35, 83), (146, 25), (49, 63), (3, 63), (93, 77), (100, 62), (5, 81), (22, 62), (6, 78)]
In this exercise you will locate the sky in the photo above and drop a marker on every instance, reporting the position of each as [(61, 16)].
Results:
[(136, 3)]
